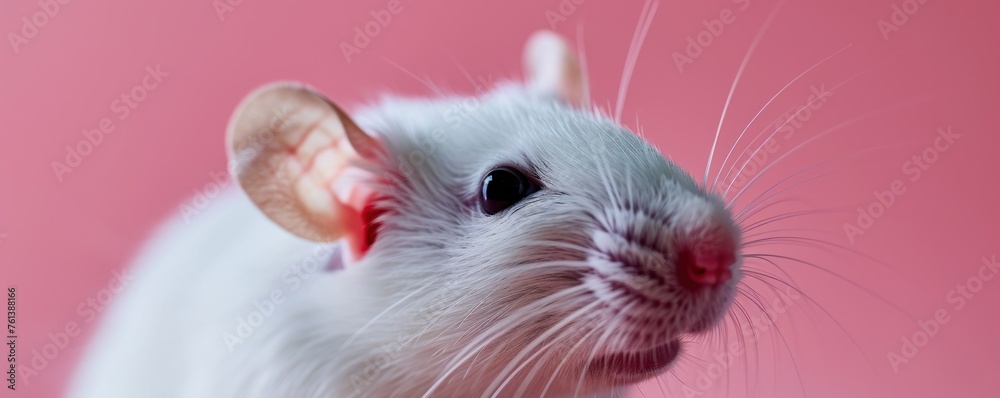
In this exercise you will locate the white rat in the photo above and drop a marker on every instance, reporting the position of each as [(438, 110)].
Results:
[(513, 244)]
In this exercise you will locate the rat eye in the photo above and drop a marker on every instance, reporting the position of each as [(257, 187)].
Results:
[(504, 186)]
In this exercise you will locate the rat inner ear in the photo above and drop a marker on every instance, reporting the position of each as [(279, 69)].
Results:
[(295, 154), (554, 69)]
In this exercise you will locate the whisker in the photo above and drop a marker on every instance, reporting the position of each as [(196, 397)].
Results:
[(790, 118), (609, 327), (778, 230), (497, 330), (736, 80), (752, 328), (838, 276), (465, 72), (765, 278), (565, 359), (581, 50), (818, 136), (802, 240), (531, 346), (377, 317), (632, 57), (848, 156), (782, 201), (754, 118), (784, 216), (424, 81)]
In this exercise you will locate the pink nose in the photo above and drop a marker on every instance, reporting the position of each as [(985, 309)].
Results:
[(705, 266)]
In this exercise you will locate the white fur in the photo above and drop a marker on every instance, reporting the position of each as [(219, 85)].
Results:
[(449, 301)]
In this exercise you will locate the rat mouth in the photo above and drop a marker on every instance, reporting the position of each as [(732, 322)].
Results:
[(627, 367)]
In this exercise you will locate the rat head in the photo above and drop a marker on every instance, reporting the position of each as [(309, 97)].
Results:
[(517, 241)]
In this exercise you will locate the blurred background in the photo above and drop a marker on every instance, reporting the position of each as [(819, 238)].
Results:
[(876, 176)]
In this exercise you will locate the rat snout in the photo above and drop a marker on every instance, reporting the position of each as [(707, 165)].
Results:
[(705, 266), (707, 257)]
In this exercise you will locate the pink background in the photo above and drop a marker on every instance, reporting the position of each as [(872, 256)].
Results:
[(60, 241)]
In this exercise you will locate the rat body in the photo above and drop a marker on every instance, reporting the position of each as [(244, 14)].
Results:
[(513, 244)]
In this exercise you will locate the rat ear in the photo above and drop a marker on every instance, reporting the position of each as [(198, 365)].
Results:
[(554, 69), (296, 155)]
